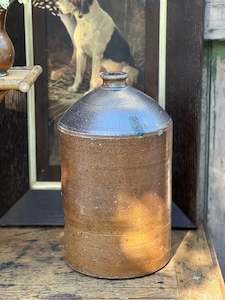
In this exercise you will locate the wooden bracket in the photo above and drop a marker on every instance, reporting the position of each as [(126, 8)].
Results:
[(20, 79)]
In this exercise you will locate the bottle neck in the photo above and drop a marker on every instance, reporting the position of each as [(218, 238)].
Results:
[(114, 80), (3, 13), (114, 83)]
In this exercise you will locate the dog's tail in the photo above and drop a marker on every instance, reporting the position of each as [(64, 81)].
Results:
[(135, 76)]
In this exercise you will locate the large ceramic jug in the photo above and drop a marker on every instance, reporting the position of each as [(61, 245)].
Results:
[(116, 149)]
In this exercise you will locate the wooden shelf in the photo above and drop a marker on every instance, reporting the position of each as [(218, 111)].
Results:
[(32, 267), (20, 79)]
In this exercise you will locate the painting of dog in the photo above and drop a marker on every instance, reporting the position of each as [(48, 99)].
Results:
[(97, 36), (82, 39)]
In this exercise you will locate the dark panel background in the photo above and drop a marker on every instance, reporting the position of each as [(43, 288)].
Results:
[(152, 48), (183, 89), (184, 80), (41, 92), (13, 125)]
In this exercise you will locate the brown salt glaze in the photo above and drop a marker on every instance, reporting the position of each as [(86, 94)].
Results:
[(116, 148), (7, 52)]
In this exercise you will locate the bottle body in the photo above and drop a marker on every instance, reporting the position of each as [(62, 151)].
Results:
[(7, 52), (117, 200)]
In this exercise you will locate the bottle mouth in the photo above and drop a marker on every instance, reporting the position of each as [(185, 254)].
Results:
[(114, 76)]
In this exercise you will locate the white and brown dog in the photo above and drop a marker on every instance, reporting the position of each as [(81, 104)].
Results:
[(97, 36)]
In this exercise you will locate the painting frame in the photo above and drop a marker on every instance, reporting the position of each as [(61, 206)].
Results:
[(39, 168)]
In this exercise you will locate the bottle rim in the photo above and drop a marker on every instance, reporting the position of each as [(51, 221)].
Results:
[(114, 76)]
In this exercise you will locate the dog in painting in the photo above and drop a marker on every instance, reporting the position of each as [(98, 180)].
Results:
[(96, 36)]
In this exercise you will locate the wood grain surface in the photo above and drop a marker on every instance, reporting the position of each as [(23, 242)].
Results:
[(20, 78), (32, 267), (216, 144), (214, 20)]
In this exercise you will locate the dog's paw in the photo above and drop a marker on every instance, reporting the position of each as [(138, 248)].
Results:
[(72, 89), (88, 91)]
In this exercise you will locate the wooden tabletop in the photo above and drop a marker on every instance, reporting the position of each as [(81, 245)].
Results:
[(32, 267)]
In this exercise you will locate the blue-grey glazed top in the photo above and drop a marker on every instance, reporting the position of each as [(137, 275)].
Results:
[(114, 109)]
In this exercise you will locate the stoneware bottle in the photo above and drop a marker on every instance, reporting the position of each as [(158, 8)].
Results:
[(116, 150), (7, 52)]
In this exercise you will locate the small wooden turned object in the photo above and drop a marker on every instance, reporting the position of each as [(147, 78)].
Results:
[(20, 79)]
